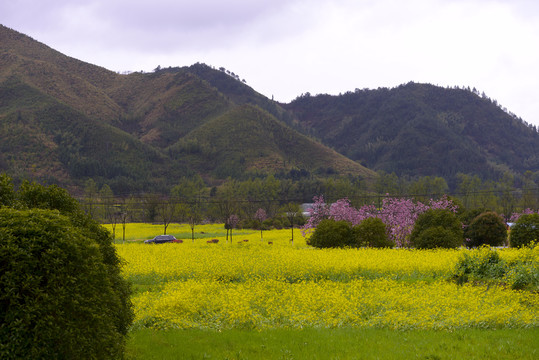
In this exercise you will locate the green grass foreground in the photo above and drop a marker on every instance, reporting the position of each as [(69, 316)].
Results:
[(341, 343)]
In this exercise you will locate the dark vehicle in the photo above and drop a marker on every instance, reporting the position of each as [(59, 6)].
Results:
[(161, 239)]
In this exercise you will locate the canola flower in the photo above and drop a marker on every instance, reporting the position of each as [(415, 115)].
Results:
[(239, 263), (259, 304), (256, 285)]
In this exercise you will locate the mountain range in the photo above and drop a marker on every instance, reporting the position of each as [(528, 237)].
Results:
[(64, 121)]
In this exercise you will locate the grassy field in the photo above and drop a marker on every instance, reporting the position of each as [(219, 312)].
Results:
[(255, 299), (344, 343)]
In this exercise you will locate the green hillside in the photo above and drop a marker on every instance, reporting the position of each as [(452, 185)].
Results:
[(422, 130), (65, 121), (45, 139), (249, 140)]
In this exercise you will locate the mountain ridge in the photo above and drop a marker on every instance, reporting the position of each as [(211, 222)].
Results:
[(421, 130), (65, 121), (123, 129)]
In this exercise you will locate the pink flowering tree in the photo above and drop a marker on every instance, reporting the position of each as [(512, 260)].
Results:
[(399, 214), (261, 215), (515, 216), (231, 223), (318, 212)]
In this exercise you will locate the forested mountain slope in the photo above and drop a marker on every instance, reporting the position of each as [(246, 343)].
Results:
[(421, 130), (65, 121)]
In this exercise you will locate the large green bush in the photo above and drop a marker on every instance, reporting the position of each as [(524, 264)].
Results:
[(466, 216), (330, 233), (525, 230), (484, 264), (7, 195), (437, 237), (486, 229), (61, 291), (480, 264), (371, 232), (437, 228), (56, 298)]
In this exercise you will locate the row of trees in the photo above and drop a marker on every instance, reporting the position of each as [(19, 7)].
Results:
[(398, 214), (405, 223), (192, 201)]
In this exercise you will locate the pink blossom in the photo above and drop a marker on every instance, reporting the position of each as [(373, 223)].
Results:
[(514, 217), (399, 214), (261, 215)]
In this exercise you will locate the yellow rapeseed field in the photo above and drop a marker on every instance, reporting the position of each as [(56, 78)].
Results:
[(255, 285)]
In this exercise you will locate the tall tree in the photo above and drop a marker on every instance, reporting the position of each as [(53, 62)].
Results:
[(226, 202), (530, 193), (188, 195), (468, 189), (292, 211), (507, 198), (167, 210), (260, 216), (90, 196), (7, 193)]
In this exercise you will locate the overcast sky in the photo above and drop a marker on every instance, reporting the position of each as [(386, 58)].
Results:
[(284, 48)]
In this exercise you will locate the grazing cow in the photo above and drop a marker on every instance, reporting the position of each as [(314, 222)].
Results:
[(213, 241)]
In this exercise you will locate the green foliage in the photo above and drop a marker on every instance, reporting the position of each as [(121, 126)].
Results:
[(371, 232), (330, 234), (420, 130), (64, 121), (7, 194), (141, 132), (486, 229), (56, 294), (466, 216), (256, 141), (437, 228), (277, 223), (64, 294), (33, 195), (437, 237), (525, 230), (484, 264)]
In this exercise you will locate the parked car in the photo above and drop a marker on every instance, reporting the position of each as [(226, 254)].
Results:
[(160, 239)]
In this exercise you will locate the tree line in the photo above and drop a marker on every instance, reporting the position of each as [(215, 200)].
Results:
[(192, 201)]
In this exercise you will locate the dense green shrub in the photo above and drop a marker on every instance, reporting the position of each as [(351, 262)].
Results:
[(330, 233), (468, 215), (484, 264), (437, 237), (481, 264), (7, 195), (62, 294), (486, 229), (299, 220), (286, 222), (277, 223), (525, 230), (371, 232), (249, 224), (437, 228), (267, 224), (56, 298)]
